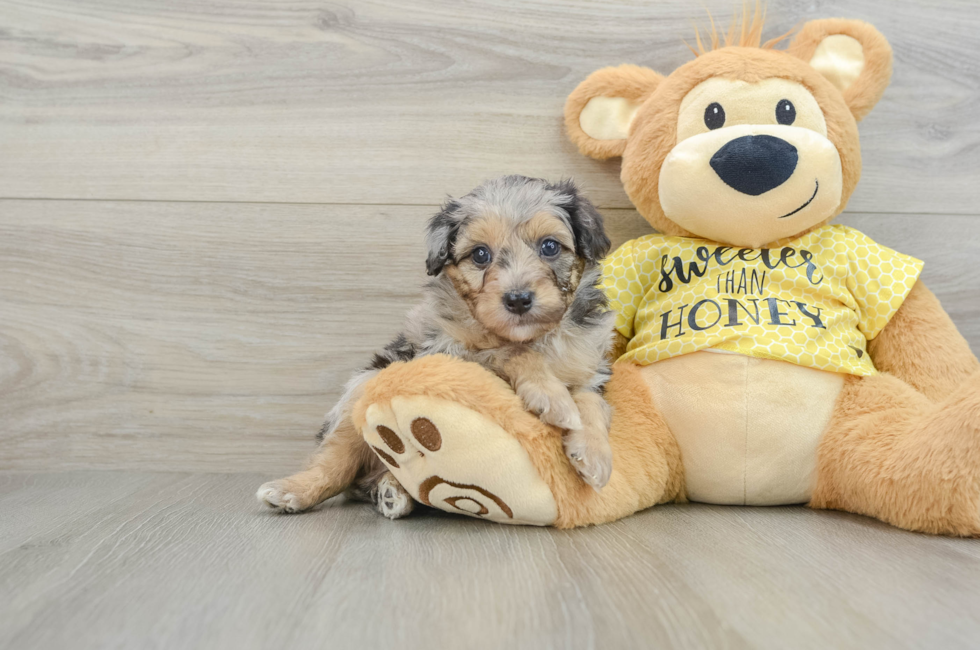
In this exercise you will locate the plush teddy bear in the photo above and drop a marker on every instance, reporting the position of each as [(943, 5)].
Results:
[(766, 357)]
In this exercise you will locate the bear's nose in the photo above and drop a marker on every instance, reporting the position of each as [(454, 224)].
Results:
[(754, 164)]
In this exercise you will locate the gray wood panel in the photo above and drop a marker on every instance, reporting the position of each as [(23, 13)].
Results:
[(213, 337), (123, 560), (384, 101)]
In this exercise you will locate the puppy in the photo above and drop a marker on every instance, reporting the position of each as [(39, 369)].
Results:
[(515, 289)]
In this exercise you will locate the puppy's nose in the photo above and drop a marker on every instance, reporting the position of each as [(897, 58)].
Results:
[(518, 302), (754, 164)]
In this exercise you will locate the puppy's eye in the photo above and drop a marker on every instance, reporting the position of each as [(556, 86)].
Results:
[(550, 248), (785, 112), (481, 256), (714, 116)]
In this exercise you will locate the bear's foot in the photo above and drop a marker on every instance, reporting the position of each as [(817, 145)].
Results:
[(453, 458)]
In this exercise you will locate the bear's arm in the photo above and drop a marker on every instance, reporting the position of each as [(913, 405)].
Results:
[(921, 346)]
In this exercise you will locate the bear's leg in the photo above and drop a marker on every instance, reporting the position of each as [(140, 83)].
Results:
[(458, 438), (892, 453)]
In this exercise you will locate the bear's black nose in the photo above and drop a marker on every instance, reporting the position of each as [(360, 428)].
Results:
[(754, 164)]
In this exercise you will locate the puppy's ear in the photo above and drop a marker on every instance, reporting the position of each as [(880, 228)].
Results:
[(591, 242), (441, 236)]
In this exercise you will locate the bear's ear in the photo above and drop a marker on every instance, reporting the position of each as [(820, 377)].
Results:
[(598, 113), (852, 55)]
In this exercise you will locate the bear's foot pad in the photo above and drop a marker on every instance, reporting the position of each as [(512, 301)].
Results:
[(458, 460)]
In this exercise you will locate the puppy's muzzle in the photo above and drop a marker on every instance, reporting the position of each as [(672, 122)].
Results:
[(518, 302), (755, 164)]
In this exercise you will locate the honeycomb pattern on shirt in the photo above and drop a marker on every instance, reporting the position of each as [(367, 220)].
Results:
[(815, 301)]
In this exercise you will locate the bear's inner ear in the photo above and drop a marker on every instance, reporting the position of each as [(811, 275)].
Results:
[(599, 112), (850, 54), (608, 118), (840, 58)]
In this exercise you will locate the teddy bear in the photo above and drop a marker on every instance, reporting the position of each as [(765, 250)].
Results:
[(764, 355)]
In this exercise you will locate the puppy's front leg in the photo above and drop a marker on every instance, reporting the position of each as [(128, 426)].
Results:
[(588, 448), (542, 392)]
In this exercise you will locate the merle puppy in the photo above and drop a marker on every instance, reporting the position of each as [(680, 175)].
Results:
[(515, 266)]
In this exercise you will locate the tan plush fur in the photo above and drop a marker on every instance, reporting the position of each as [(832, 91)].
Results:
[(632, 82), (862, 96), (922, 347), (904, 446), (646, 460), (744, 31), (893, 454)]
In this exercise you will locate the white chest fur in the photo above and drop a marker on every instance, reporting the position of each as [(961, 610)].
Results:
[(748, 428)]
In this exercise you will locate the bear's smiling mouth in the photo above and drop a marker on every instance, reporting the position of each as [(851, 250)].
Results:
[(810, 200)]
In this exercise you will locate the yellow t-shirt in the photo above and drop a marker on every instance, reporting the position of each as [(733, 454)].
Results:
[(814, 301)]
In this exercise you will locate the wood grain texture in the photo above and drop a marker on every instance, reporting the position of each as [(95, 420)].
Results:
[(213, 337), (385, 101), (123, 560)]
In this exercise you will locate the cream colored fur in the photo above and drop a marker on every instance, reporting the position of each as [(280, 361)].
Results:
[(748, 429)]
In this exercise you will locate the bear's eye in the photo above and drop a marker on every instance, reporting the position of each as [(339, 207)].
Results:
[(714, 116), (481, 256), (785, 112)]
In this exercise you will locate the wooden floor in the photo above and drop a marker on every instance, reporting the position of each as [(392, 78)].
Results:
[(177, 560), (211, 211)]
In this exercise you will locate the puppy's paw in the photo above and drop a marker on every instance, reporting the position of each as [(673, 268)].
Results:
[(553, 404), (590, 455), (276, 494), (394, 502)]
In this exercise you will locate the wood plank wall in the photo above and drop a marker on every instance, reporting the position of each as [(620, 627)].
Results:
[(211, 211)]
